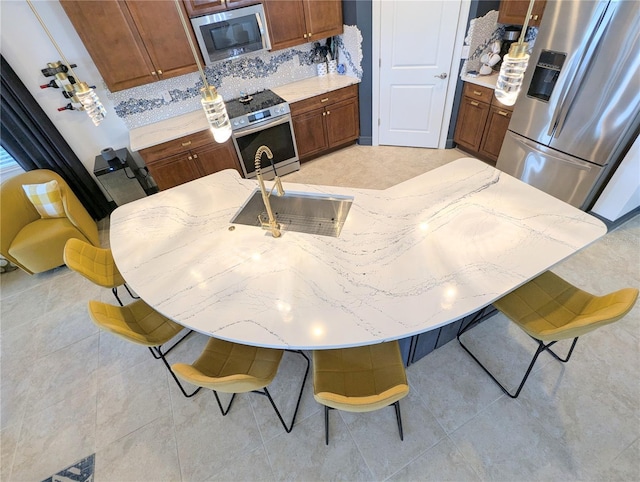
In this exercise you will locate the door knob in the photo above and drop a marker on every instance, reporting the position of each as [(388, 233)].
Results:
[(443, 75)]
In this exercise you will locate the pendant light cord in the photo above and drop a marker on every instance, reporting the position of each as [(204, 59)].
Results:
[(526, 23), (64, 59), (193, 49)]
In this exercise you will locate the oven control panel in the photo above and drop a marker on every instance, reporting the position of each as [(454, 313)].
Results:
[(259, 116)]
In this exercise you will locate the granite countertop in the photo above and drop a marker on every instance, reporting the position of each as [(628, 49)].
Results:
[(483, 80), (409, 259), (306, 88), (192, 122)]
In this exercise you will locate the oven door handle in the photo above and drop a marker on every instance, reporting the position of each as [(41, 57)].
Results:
[(263, 125)]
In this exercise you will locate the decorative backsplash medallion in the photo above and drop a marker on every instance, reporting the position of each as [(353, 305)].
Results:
[(167, 98)]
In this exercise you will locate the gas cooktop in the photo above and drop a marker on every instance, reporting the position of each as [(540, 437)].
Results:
[(253, 103)]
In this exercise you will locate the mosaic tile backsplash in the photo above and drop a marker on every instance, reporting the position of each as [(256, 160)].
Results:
[(167, 98), (483, 31)]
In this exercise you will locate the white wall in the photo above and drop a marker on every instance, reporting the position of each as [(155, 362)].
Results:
[(622, 193), (27, 48)]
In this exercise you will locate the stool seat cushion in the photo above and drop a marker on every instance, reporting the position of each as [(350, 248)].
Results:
[(359, 379), (550, 309), (95, 264), (136, 322), (231, 367)]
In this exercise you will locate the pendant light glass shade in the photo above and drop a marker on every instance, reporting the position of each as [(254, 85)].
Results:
[(513, 67), (92, 105), (512, 72), (216, 113), (212, 102)]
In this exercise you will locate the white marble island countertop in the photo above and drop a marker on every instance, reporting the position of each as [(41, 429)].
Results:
[(410, 258)]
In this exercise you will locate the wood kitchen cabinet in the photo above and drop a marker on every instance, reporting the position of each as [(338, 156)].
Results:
[(326, 121), (482, 122), (187, 158), (514, 11), (195, 8), (132, 42), (295, 22)]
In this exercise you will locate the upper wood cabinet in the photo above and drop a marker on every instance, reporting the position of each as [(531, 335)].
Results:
[(132, 42), (196, 8), (295, 22), (514, 11)]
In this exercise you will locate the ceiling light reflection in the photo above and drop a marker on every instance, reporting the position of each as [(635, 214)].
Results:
[(318, 331), (449, 297), (283, 306)]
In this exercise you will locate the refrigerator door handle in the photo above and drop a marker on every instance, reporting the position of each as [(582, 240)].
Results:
[(573, 82), (582, 165)]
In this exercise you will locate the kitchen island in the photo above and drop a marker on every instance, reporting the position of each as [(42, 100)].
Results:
[(409, 259)]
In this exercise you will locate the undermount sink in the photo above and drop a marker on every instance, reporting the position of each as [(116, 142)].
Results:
[(311, 213)]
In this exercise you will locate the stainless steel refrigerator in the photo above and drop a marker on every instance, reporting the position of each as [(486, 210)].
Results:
[(579, 107)]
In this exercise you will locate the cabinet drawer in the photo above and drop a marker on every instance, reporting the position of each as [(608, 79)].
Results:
[(324, 99), (478, 92), (177, 146)]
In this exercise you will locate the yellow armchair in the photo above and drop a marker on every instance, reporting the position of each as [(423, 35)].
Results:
[(31, 242)]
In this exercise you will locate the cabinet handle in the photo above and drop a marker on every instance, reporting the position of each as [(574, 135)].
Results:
[(310, 34), (153, 73), (190, 158), (328, 112), (502, 113), (476, 92), (185, 144), (325, 99), (324, 114), (159, 72), (195, 156), (474, 103), (534, 17), (305, 35)]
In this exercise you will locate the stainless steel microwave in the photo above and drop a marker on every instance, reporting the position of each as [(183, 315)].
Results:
[(231, 34)]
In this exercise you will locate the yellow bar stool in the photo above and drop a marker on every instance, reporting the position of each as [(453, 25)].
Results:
[(360, 379), (233, 368), (95, 264), (138, 323), (550, 309)]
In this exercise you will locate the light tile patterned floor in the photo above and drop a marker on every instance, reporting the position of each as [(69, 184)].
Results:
[(69, 391)]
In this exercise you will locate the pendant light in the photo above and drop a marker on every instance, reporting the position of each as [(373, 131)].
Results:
[(85, 94), (513, 67), (212, 101)]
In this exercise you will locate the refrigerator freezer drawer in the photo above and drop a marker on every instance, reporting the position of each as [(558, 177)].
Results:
[(564, 177)]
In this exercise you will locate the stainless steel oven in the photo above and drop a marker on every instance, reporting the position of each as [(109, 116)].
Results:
[(263, 119)]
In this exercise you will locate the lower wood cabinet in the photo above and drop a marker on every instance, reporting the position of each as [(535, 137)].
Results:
[(326, 121), (495, 131), (187, 158), (482, 122)]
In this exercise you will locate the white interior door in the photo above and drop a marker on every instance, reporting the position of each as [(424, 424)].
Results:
[(417, 42)]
